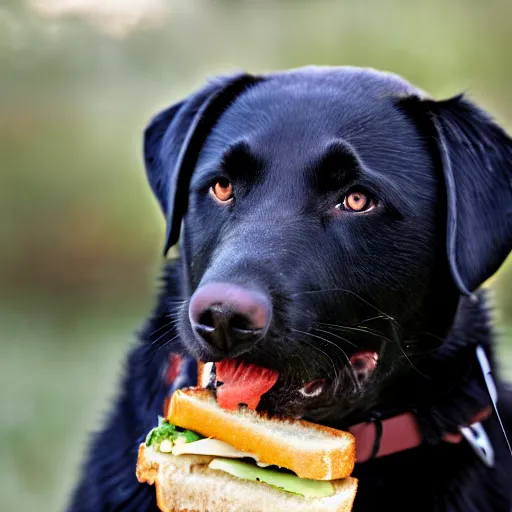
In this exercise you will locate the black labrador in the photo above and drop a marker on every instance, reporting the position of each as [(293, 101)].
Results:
[(336, 225)]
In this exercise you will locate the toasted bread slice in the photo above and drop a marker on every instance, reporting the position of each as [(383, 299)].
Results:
[(309, 450), (184, 483)]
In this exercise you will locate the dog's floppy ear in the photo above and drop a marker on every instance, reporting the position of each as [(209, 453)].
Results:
[(476, 158), (173, 140)]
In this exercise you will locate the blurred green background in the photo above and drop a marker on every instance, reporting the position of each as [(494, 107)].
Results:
[(81, 234)]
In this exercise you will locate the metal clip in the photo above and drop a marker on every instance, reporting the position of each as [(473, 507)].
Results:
[(475, 433), (476, 436)]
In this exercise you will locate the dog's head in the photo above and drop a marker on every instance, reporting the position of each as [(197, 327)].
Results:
[(328, 222)]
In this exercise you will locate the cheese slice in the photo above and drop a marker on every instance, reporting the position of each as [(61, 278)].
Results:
[(214, 448)]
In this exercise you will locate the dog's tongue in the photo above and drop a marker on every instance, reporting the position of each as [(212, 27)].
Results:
[(242, 383)]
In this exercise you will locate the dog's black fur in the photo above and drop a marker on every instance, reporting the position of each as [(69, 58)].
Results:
[(401, 279)]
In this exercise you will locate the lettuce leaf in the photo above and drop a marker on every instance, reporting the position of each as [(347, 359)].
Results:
[(168, 431)]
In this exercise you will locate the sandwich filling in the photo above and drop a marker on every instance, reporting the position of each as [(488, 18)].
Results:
[(169, 439)]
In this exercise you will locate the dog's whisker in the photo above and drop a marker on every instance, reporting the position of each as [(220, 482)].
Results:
[(396, 339), (432, 335), (171, 325), (171, 322), (335, 335), (347, 359), (404, 353), (351, 292), (304, 366), (168, 342), (371, 319), (352, 371), (314, 347), (356, 329), (329, 342)]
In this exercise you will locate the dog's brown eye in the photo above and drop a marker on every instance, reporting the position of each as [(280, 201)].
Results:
[(357, 201), (222, 191)]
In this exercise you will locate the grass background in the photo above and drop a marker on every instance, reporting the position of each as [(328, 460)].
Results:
[(80, 233)]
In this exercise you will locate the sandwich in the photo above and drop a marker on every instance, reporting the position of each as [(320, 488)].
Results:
[(204, 457)]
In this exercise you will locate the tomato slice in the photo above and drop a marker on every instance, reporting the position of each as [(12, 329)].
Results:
[(242, 383)]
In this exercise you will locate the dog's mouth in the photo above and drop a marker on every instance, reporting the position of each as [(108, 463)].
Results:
[(238, 383)]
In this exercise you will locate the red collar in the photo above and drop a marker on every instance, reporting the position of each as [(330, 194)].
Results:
[(398, 433)]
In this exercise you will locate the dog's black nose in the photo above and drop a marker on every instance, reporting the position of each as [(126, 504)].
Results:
[(229, 317)]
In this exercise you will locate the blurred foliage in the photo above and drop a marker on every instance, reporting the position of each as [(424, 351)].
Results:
[(80, 232)]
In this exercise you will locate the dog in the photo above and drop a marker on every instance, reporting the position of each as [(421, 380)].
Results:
[(336, 225)]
